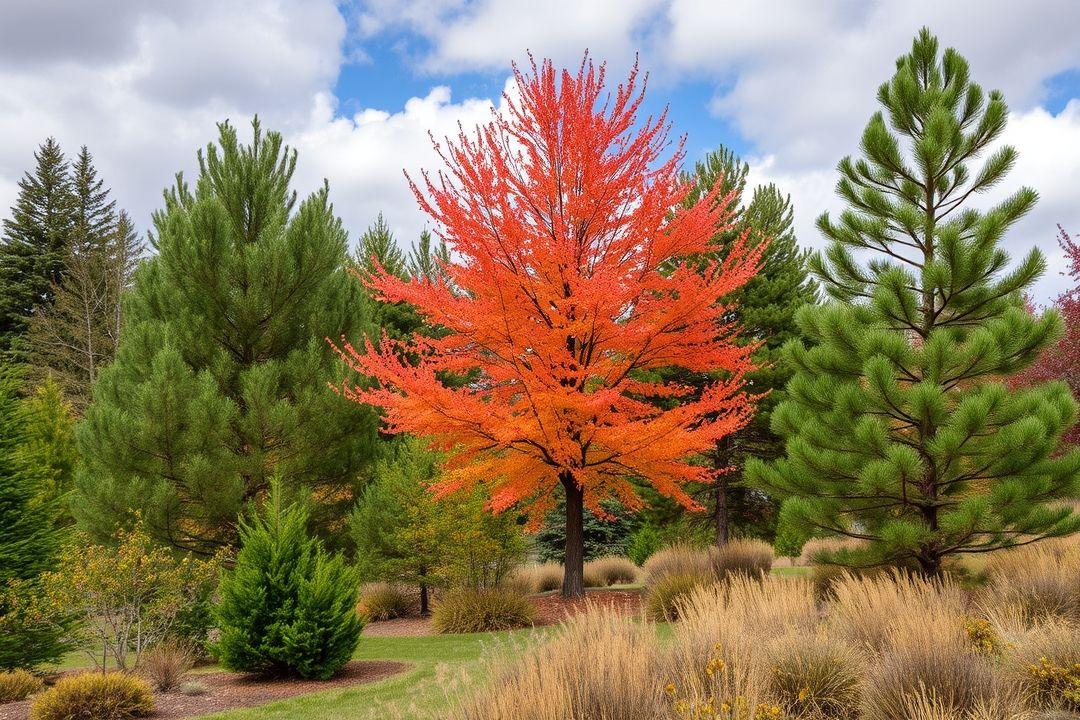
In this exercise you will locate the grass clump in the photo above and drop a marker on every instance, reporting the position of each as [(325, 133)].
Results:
[(599, 664), (539, 577), (383, 601), (666, 596), (18, 685), (93, 696), (1045, 661), (613, 570), (166, 663), (747, 557), (1037, 582), (683, 560), (468, 611), (814, 676)]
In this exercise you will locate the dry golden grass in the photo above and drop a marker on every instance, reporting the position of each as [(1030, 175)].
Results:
[(1036, 582), (748, 557), (613, 570), (538, 577), (816, 546), (598, 665), (891, 646), (867, 609), (682, 560)]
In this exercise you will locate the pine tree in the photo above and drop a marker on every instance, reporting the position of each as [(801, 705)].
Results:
[(35, 239), (378, 249), (220, 379), (765, 309), (49, 446), (93, 212), (288, 607), (425, 260), (899, 429)]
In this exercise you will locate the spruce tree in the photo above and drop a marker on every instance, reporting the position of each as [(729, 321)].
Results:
[(75, 336), (32, 248), (425, 259), (221, 377), (899, 429)]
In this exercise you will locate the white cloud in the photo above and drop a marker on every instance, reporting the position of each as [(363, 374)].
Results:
[(365, 156)]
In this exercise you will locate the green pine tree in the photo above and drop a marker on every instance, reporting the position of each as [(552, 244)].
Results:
[(425, 260), (899, 429), (764, 311), (378, 248), (93, 212), (49, 446), (220, 380), (288, 607), (32, 248)]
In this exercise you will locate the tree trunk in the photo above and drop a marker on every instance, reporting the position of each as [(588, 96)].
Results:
[(424, 600), (721, 514), (574, 564), (930, 565)]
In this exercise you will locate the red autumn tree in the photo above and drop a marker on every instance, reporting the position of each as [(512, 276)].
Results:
[(1061, 361), (567, 226)]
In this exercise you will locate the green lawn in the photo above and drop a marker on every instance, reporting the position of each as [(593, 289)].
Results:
[(454, 658)]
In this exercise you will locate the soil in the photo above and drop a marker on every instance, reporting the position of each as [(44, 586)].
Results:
[(228, 690), (551, 609)]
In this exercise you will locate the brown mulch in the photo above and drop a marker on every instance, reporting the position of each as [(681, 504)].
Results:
[(553, 608), (237, 690)]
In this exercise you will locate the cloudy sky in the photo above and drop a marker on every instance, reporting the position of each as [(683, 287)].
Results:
[(357, 86)]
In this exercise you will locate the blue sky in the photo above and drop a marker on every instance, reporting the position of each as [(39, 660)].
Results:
[(357, 85)]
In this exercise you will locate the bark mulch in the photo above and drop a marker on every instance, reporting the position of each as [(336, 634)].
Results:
[(553, 608), (229, 690)]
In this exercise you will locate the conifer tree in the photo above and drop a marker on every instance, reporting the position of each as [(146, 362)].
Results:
[(32, 247), (29, 538), (220, 379), (899, 430), (75, 336), (289, 606), (765, 309), (426, 260)]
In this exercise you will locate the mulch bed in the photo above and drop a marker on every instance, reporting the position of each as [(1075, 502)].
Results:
[(228, 690), (551, 609)]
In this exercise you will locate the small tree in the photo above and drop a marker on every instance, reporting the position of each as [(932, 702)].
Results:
[(561, 218), (128, 595), (29, 541), (288, 606), (403, 535), (50, 445), (899, 430)]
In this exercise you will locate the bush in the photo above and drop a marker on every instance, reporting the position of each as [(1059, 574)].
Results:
[(613, 570), (815, 676), (383, 601), (749, 557), (288, 607), (665, 597), (18, 685), (930, 658), (1039, 581), (599, 664), (93, 696), (681, 560), (468, 611), (645, 541), (538, 578), (1046, 663), (166, 663), (193, 688)]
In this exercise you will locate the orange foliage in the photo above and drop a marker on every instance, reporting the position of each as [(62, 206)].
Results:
[(566, 225)]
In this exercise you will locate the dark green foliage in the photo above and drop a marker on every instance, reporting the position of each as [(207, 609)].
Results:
[(29, 540), (603, 536), (764, 310), (899, 430), (288, 606), (35, 239), (220, 380), (425, 260)]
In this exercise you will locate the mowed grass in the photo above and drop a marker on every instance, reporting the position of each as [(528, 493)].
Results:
[(455, 658)]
